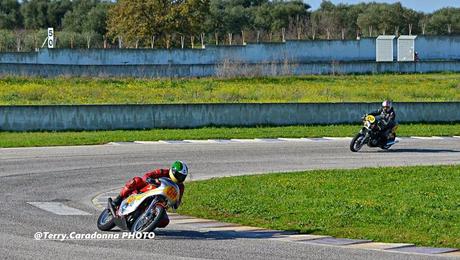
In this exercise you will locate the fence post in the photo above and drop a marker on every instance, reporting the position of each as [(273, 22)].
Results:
[(202, 41), (120, 43)]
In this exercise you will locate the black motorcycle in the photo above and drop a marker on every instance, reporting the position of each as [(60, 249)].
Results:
[(371, 134)]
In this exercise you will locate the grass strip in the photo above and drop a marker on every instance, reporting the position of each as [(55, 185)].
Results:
[(30, 139), (320, 88), (418, 205)]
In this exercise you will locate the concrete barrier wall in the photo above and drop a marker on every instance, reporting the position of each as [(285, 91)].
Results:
[(438, 48), (429, 48), (232, 70), (292, 51), (293, 57), (109, 117)]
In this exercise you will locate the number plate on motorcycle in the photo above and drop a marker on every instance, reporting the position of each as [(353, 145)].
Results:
[(171, 192)]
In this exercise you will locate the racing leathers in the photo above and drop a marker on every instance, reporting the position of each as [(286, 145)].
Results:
[(388, 122), (137, 183)]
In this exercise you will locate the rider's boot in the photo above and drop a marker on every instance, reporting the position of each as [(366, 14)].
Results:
[(117, 201), (164, 221), (391, 139)]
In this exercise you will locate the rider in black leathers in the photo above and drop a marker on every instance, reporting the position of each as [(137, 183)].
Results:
[(389, 120)]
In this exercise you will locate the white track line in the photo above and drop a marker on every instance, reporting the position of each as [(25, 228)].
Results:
[(338, 138), (59, 208), (221, 141), (315, 139), (380, 246), (245, 140), (173, 142), (146, 142), (292, 139), (198, 141), (269, 140), (427, 137)]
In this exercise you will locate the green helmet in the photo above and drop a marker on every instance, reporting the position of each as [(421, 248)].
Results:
[(178, 171)]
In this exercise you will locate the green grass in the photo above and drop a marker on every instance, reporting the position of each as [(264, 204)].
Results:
[(413, 87), (27, 139), (418, 205)]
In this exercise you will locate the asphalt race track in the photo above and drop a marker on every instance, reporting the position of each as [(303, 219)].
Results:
[(74, 175)]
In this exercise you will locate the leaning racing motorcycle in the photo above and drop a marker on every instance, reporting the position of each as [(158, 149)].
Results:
[(371, 134), (141, 212)]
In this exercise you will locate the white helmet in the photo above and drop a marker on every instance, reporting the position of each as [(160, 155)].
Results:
[(387, 105)]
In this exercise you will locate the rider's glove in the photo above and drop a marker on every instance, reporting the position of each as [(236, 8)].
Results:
[(151, 181)]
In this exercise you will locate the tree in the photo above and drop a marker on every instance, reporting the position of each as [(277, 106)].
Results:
[(283, 12), (86, 16), (42, 13), (10, 15), (140, 20), (445, 21), (35, 14), (56, 12), (327, 20)]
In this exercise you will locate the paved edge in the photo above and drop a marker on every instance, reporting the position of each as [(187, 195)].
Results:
[(271, 140), (100, 199)]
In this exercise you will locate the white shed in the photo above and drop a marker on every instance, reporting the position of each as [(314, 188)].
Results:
[(406, 48), (384, 48)]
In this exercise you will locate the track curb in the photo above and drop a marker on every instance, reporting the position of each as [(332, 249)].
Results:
[(209, 225)]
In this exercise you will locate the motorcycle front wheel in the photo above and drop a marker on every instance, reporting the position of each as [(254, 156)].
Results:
[(105, 221), (357, 142), (149, 219)]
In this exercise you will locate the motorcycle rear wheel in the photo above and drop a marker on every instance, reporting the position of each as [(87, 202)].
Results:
[(357, 143)]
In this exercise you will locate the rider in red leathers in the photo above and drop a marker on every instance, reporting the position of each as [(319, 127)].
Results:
[(177, 173)]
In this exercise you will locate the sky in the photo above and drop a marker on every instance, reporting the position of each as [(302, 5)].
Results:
[(426, 6)]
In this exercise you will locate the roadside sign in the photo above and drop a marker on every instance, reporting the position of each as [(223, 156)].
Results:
[(50, 38)]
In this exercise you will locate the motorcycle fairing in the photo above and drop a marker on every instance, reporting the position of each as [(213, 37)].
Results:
[(168, 189)]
